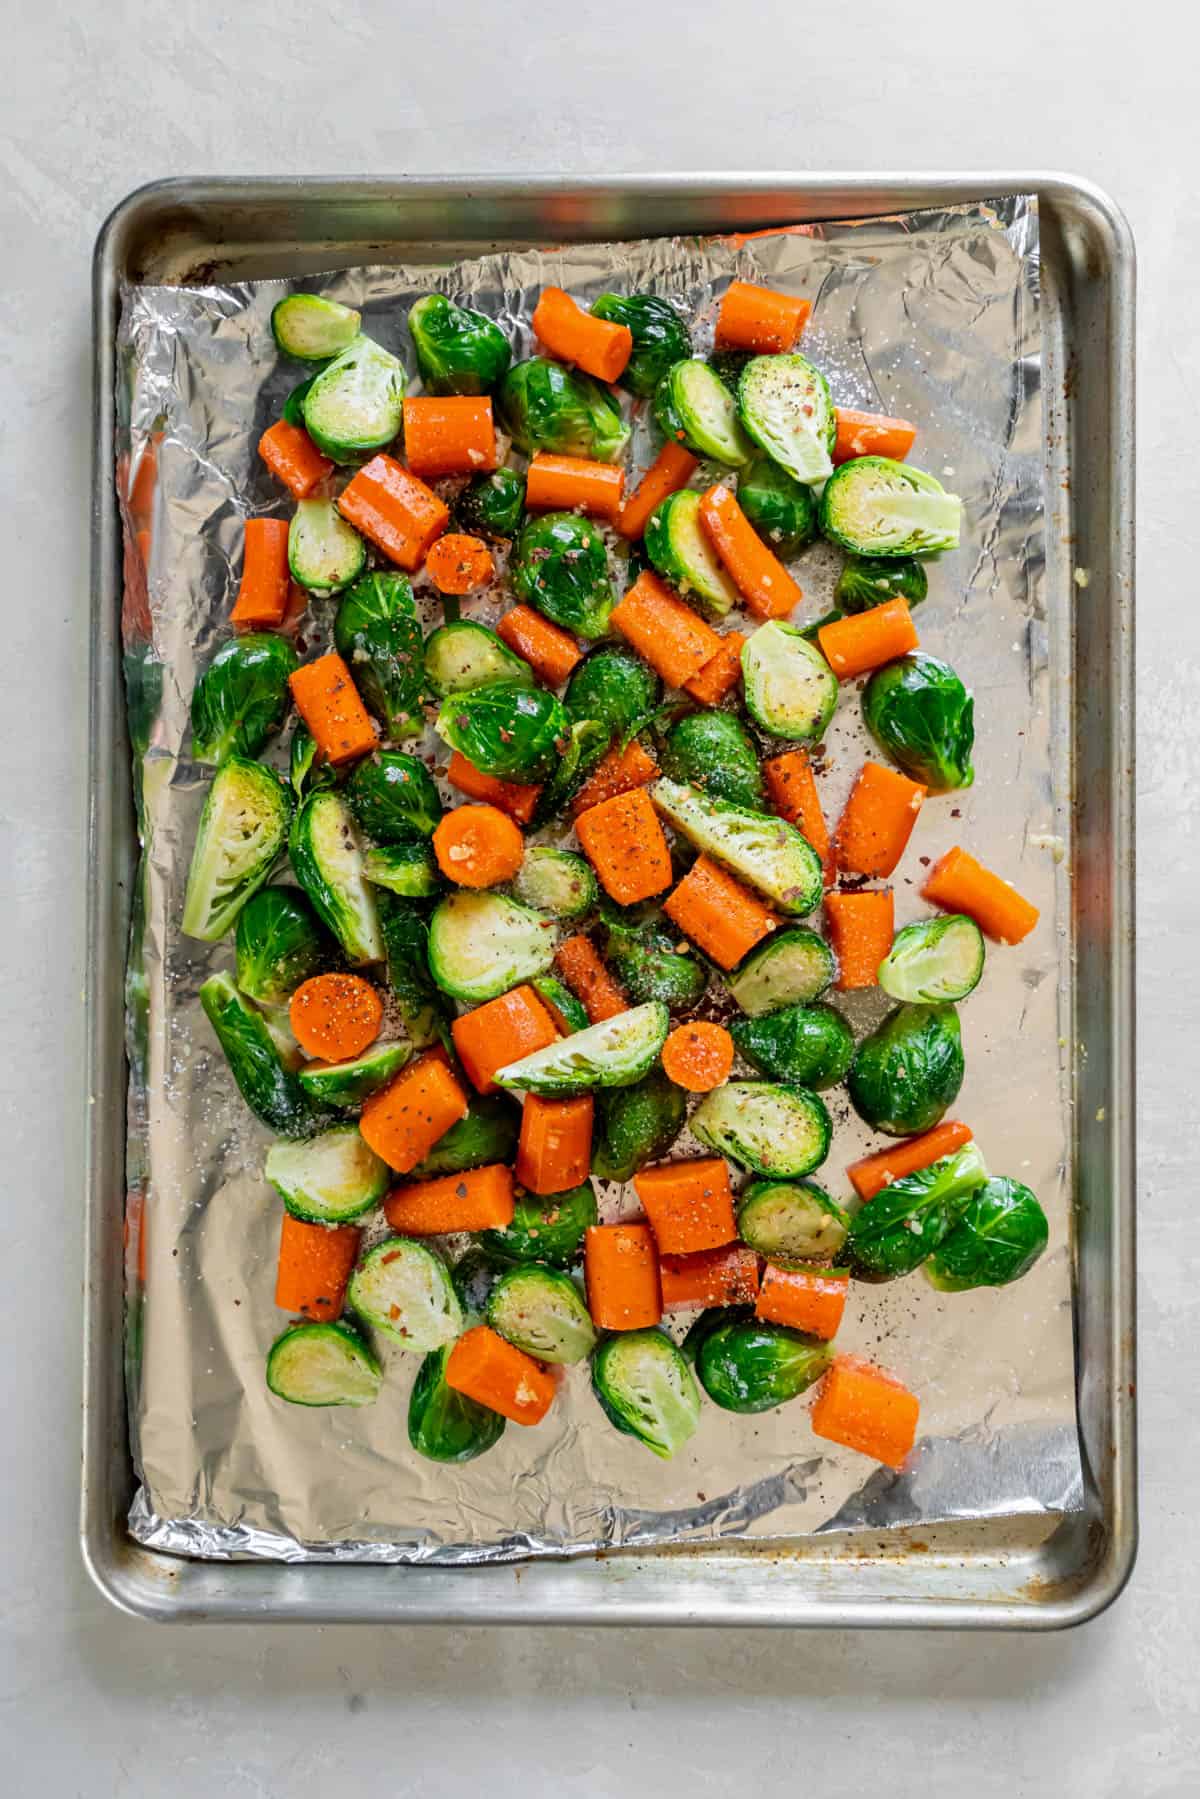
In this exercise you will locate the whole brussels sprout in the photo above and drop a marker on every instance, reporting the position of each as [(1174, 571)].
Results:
[(780, 508), (867, 581), (458, 351), (393, 797), (614, 687), (748, 1366), (487, 1134), (560, 566), (906, 1220), (808, 1046), (636, 1125), (713, 751), (515, 733), (242, 696), (999, 1236), (906, 1073), (918, 710), (280, 944), (548, 1228), (544, 406), (444, 1424), (649, 965), (492, 505), (660, 337), (378, 635)]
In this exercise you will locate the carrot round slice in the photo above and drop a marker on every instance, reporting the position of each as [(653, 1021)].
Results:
[(478, 846), (457, 563), (335, 1016), (698, 1056)]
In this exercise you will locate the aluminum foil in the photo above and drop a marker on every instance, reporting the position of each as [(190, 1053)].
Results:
[(933, 316)]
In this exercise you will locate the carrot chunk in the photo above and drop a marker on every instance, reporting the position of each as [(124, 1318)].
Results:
[(698, 1056), (878, 820), (403, 1121), (574, 484), (328, 702), (625, 844), (598, 346), (480, 1199), (712, 1277), (671, 469), (809, 1300), (792, 790), (497, 1374), (315, 1263), (871, 434), (550, 651), (861, 927), (759, 576), (500, 1032), (675, 641), (293, 458), (478, 846), (865, 1408), (335, 1017), (618, 771), (457, 563), (958, 883), (870, 1174), (720, 674), (717, 913), (620, 1269), (689, 1204), (452, 434), (755, 318), (583, 971), (263, 594), (395, 511), (854, 646), (513, 797), (554, 1150)]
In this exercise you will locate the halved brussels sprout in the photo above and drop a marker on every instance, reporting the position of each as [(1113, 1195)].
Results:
[(515, 733), (403, 1290), (544, 406), (766, 1127), (692, 406), (653, 963), (242, 829), (791, 1221), (331, 1179), (997, 1239), (443, 1424), (541, 1311), (278, 1021), (293, 406), (474, 1275), (555, 881), (356, 404), (766, 853), (271, 1090), (463, 655), (406, 942), (906, 1220), (305, 772), (409, 869), (279, 944), (714, 752), (481, 944), (241, 698), (790, 689), (487, 1134), (615, 1053), (660, 336), (585, 747), (636, 1125), (906, 1073), (458, 351), (378, 636), (560, 566), (569, 1014), (920, 713), (327, 861), (873, 506), (548, 1228), (785, 406), (647, 1389), (347, 1084), (781, 509), (679, 549), (324, 553), (788, 968), (323, 1364), (867, 581), (807, 1046), (313, 329), (393, 797), (492, 505), (937, 960), (748, 1366), (614, 687)]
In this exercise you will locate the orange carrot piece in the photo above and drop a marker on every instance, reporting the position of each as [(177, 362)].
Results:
[(698, 1056), (297, 606), (457, 563), (550, 651), (871, 434), (554, 1150), (758, 319), (449, 435), (598, 346), (403, 1121), (861, 927), (712, 1277), (675, 641), (620, 1271), (500, 1032), (626, 845), (328, 702), (315, 1263), (877, 821), (395, 511), (671, 469), (293, 458), (496, 1374), (853, 646), (871, 1174), (589, 980), (689, 1204), (759, 576), (618, 771), (792, 790), (335, 1017), (865, 1408), (513, 797), (479, 1199), (263, 594), (478, 846), (809, 1300), (958, 883), (720, 674), (574, 484), (717, 913)]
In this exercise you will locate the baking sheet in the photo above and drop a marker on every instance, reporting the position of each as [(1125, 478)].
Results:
[(931, 315)]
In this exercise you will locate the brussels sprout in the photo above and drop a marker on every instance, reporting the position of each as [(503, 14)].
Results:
[(458, 351), (305, 772), (679, 549), (492, 505), (790, 689), (541, 1311), (920, 713), (403, 1290), (544, 406), (636, 1125), (293, 406), (324, 553), (545, 1228), (568, 1012), (356, 404), (347, 1084), (906, 1073), (327, 861), (560, 566), (313, 329), (767, 1128), (614, 687), (660, 337), (766, 853), (906, 1220), (647, 1389), (936, 960), (785, 406), (713, 751), (279, 944), (481, 944), (463, 655), (272, 1092), (378, 635), (409, 869), (443, 1424), (727, 366), (788, 968), (331, 1179), (614, 1053), (323, 1364), (747, 1366), (997, 1239), (487, 1134), (873, 506), (242, 829), (650, 963), (808, 1046), (811, 632), (393, 797), (867, 581), (515, 733), (240, 699), (555, 881), (782, 511), (278, 1021), (585, 747), (692, 406), (474, 1275), (791, 1221), (406, 943)]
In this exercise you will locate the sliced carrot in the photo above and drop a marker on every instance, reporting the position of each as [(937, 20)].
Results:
[(554, 1150), (671, 469), (550, 651), (589, 980), (720, 674), (449, 435), (574, 484), (403, 1121), (853, 646), (698, 1056), (689, 1204), (478, 846), (712, 1277), (457, 563), (618, 771), (758, 319), (293, 458), (620, 1271), (870, 1174), (395, 511), (335, 1017), (809, 1300), (479, 1199), (315, 1264), (513, 797), (877, 821), (263, 594), (958, 883), (717, 913), (861, 927), (759, 576), (871, 434), (865, 1408), (498, 1375), (328, 702), (502, 1031), (626, 845), (675, 641), (792, 790), (598, 346)]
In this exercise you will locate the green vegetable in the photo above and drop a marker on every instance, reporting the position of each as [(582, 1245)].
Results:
[(540, 1310), (906, 1220), (936, 960), (920, 713), (324, 553), (544, 406), (785, 406), (811, 631), (347, 1084), (327, 860), (463, 655), (560, 566), (692, 406), (492, 505), (242, 829), (293, 406), (807, 1046), (615, 1053), (766, 1127), (403, 1290), (714, 752), (660, 337), (782, 511), (443, 1424), (323, 1364), (906, 1073), (997, 1239), (585, 747), (279, 1028), (406, 943), (516, 733), (409, 869), (788, 968), (474, 1275), (791, 1221), (487, 1134), (614, 687), (867, 581), (572, 1012), (312, 329), (636, 1125), (378, 635), (649, 965), (272, 1092), (548, 1228), (458, 351), (356, 404), (873, 506), (790, 689), (481, 944), (746, 1366), (555, 881), (727, 366), (241, 698), (279, 944), (393, 797), (647, 1389), (305, 772), (765, 853), (679, 549), (331, 1179)]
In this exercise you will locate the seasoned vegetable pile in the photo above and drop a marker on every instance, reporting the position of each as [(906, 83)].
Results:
[(468, 986)]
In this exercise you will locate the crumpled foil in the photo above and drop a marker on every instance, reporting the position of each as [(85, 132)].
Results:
[(933, 316)]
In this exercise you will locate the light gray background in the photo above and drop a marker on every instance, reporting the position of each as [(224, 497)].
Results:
[(92, 103)]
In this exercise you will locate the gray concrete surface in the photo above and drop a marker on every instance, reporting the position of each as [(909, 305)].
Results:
[(94, 101)]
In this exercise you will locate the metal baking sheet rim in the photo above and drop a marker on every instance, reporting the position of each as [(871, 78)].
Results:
[(963, 1579)]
